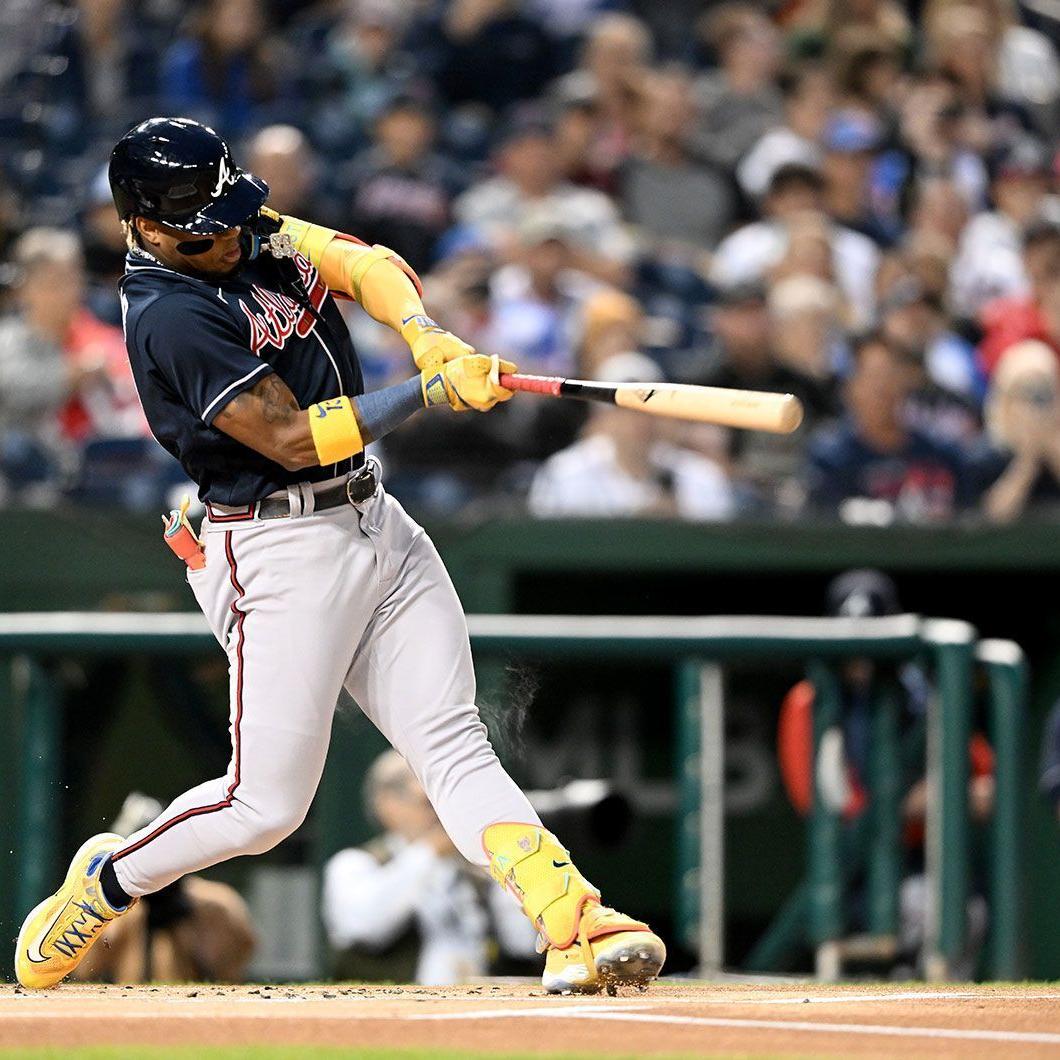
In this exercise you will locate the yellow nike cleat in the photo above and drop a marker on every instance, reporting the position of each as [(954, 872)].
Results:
[(588, 946), (61, 930), (611, 950)]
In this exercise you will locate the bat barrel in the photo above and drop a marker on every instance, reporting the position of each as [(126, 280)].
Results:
[(745, 409)]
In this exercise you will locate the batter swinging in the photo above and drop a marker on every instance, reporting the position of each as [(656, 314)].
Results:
[(312, 579)]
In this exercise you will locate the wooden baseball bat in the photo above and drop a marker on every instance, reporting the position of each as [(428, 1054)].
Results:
[(749, 409)]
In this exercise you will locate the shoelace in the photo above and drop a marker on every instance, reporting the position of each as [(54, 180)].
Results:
[(73, 938)]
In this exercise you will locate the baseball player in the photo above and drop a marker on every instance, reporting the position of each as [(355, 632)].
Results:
[(312, 578)]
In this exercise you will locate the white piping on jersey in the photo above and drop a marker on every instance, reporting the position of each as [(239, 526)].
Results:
[(231, 386), (338, 377)]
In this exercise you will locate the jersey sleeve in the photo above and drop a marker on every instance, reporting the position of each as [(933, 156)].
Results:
[(199, 352)]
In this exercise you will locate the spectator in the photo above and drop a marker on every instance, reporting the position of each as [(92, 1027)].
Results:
[(219, 71), (1003, 68), (37, 375), (362, 53), (932, 129), (1036, 314), (537, 300), (743, 357), (884, 18), (808, 250), (613, 323), (1019, 468), (281, 156), (115, 61), (915, 322), (868, 70), (622, 467), (618, 50), (938, 208), (486, 52), (672, 25), (989, 264), (580, 133), (808, 96), (405, 906), (667, 196), (874, 455), (529, 181), (852, 139), (104, 248), (400, 189), (751, 252), (739, 102), (806, 329), (569, 20)]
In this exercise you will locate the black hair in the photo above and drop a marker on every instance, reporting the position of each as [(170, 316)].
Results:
[(795, 175), (1042, 230), (865, 340), (792, 79)]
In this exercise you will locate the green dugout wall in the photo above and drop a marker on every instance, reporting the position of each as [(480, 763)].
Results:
[(1003, 581)]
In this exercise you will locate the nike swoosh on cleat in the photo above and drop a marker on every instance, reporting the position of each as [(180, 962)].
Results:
[(39, 958), (560, 864)]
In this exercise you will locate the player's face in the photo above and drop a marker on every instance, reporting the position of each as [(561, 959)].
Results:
[(170, 246)]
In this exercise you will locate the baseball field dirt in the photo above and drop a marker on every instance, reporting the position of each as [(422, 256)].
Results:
[(675, 1019)]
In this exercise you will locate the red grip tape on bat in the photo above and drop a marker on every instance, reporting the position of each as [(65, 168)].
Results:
[(535, 384)]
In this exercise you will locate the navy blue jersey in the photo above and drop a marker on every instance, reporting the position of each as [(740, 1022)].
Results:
[(196, 345), (925, 479)]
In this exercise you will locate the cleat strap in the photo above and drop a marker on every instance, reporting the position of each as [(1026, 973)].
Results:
[(531, 863), (549, 891)]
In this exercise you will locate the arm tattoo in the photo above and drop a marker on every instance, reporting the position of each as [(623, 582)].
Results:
[(277, 402), (271, 397)]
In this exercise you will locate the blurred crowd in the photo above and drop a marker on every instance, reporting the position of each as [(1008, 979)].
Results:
[(851, 200)]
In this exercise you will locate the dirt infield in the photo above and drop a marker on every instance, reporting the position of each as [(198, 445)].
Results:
[(675, 1018)]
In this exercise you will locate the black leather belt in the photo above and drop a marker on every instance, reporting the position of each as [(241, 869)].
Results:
[(355, 489)]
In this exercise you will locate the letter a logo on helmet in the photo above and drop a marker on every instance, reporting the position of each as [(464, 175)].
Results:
[(181, 173), (225, 178)]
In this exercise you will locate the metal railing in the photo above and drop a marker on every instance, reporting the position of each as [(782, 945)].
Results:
[(696, 647)]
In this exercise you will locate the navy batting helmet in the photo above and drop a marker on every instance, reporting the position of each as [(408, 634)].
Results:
[(180, 172)]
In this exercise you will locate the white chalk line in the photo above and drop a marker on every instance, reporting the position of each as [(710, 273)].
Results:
[(586, 1012)]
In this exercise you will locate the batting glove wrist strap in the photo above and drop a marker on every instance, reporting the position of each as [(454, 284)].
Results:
[(431, 345), (470, 382)]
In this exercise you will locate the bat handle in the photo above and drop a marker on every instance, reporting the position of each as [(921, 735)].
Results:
[(535, 384)]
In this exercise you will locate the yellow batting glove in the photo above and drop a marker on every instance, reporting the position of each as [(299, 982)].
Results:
[(469, 382), (431, 345)]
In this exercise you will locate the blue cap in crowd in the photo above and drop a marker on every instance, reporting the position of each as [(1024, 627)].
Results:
[(850, 132)]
